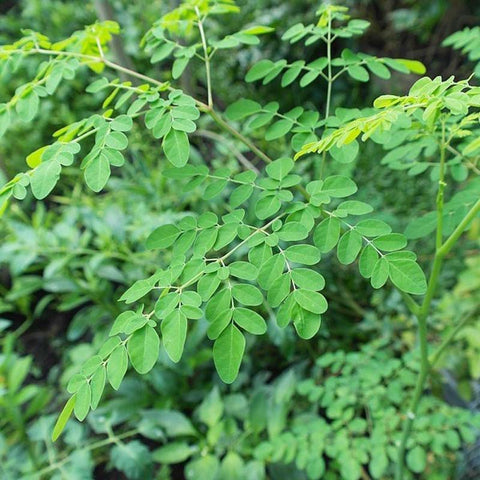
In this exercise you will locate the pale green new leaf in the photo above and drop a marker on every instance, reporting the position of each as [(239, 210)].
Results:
[(62, 419)]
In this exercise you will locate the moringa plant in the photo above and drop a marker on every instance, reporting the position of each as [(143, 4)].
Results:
[(261, 248)]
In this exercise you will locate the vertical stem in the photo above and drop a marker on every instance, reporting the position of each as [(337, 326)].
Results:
[(329, 66), (321, 166), (440, 193), (105, 12), (207, 58), (422, 318), (424, 365)]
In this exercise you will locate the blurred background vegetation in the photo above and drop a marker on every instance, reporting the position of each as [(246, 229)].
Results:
[(299, 410)]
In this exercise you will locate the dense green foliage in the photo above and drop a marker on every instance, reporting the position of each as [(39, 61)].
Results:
[(214, 227)]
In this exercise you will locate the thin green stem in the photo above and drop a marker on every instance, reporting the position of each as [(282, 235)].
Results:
[(422, 316), (329, 79), (448, 339), (440, 192), (221, 139), (92, 446), (329, 67), (235, 133), (462, 226), (206, 58), (410, 303)]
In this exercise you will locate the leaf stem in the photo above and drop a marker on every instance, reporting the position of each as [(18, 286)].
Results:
[(206, 57), (329, 67), (422, 316), (330, 80), (440, 193), (461, 227), (410, 303), (448, 339), (91, 446), (235, 133)]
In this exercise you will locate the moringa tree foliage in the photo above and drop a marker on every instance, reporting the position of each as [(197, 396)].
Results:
[(281, 216)]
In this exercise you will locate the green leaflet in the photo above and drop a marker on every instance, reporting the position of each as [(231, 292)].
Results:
[(97, 384), (379, 275), (163, 237), (116, 140), (243, 270), (83, 397), (27, 106), (44, 178), (176, 147), (367, 261), (267, 206), (63, 418), (379, 463), (250, 321), (390, 242), (259, 70), (303, 254), (247, 294), (121, 322), (372, 228), (139, 289), (122, 123), (311, 301), (270, 271), (97, 172), (407, 276), (327, 234), (117, 366), (228, 351), (174, 333), (280, 168), (143, 349), (417, 459), (338, 186), (242, 108), (349, 247), (203, 467), (306, 323), (212, 407), (174, 452), (308, 279), (279, 290)]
